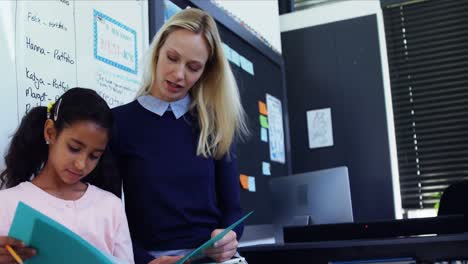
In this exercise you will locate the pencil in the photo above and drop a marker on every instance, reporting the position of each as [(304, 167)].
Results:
[(13, 254)]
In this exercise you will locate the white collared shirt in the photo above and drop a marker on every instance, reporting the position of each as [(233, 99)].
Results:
[(159, 107)]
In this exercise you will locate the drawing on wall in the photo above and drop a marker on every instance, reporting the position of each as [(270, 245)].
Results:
[(319, 125)]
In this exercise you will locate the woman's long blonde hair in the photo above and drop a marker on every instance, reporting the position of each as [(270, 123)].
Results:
[(215, 96)]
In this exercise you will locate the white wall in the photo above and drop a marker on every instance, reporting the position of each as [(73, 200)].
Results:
[(260, 15), (339, 11)]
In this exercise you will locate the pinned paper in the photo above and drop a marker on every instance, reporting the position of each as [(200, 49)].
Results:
[(263, 121), (252, 184), (244, 180), (275, 129), (266, 168), (319, 126), (262, 108), (264, 134)]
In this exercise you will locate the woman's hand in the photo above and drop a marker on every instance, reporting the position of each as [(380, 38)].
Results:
[(166, 260), (224, 248), (23, 251)]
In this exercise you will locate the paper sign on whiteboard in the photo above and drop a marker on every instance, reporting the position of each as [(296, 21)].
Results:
[(110, 44), (115, 43), (319, 127)]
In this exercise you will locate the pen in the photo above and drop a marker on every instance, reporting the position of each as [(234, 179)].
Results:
[(13, 254)]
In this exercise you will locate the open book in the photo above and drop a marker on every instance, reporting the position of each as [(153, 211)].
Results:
[(55, 244)]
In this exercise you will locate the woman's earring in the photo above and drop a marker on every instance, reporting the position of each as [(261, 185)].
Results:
[(47, 142)]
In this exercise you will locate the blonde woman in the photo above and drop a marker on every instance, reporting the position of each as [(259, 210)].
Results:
[(173, 145)]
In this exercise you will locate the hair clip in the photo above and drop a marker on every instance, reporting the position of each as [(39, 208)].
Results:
[(49, 107), (57, 109)]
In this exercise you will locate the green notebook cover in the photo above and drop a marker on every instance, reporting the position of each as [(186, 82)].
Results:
[(55, 244)]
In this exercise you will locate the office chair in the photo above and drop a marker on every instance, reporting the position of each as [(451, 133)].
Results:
[(454, 200)]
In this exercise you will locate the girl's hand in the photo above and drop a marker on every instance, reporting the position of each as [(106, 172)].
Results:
[(223, 249), (166, 260), (22, 251)]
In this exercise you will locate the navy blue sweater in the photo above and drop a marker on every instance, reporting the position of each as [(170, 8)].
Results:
[(174, 199)]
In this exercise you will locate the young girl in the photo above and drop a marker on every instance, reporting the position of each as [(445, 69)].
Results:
[(52, 155)]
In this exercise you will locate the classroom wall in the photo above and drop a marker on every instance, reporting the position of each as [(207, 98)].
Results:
[(335, 56), (261, 15)]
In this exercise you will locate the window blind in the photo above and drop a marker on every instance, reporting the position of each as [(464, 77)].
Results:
[(427, 45)]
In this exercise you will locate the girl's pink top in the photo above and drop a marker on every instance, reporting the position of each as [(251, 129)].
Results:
[(98, 216)]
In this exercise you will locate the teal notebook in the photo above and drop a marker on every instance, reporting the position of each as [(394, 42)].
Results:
[(198, 251), (55, 244)]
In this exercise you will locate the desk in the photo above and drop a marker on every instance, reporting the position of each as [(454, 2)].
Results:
[(423, 249)]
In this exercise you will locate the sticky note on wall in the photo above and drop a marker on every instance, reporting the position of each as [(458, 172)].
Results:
[(263, 121), (262, 108), (227, 51), (266, 168), (246, 65), (244, 181), (235, 57), (264, 134), (248, 183), (252, 187)]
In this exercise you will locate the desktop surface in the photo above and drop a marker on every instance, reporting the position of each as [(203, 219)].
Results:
[(408, 238), (425, 249)]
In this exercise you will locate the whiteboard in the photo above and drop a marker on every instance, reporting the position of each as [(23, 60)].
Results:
[(8, 98), (51, 46)]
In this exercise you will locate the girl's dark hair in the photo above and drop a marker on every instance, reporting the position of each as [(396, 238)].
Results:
[(28, 150)]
